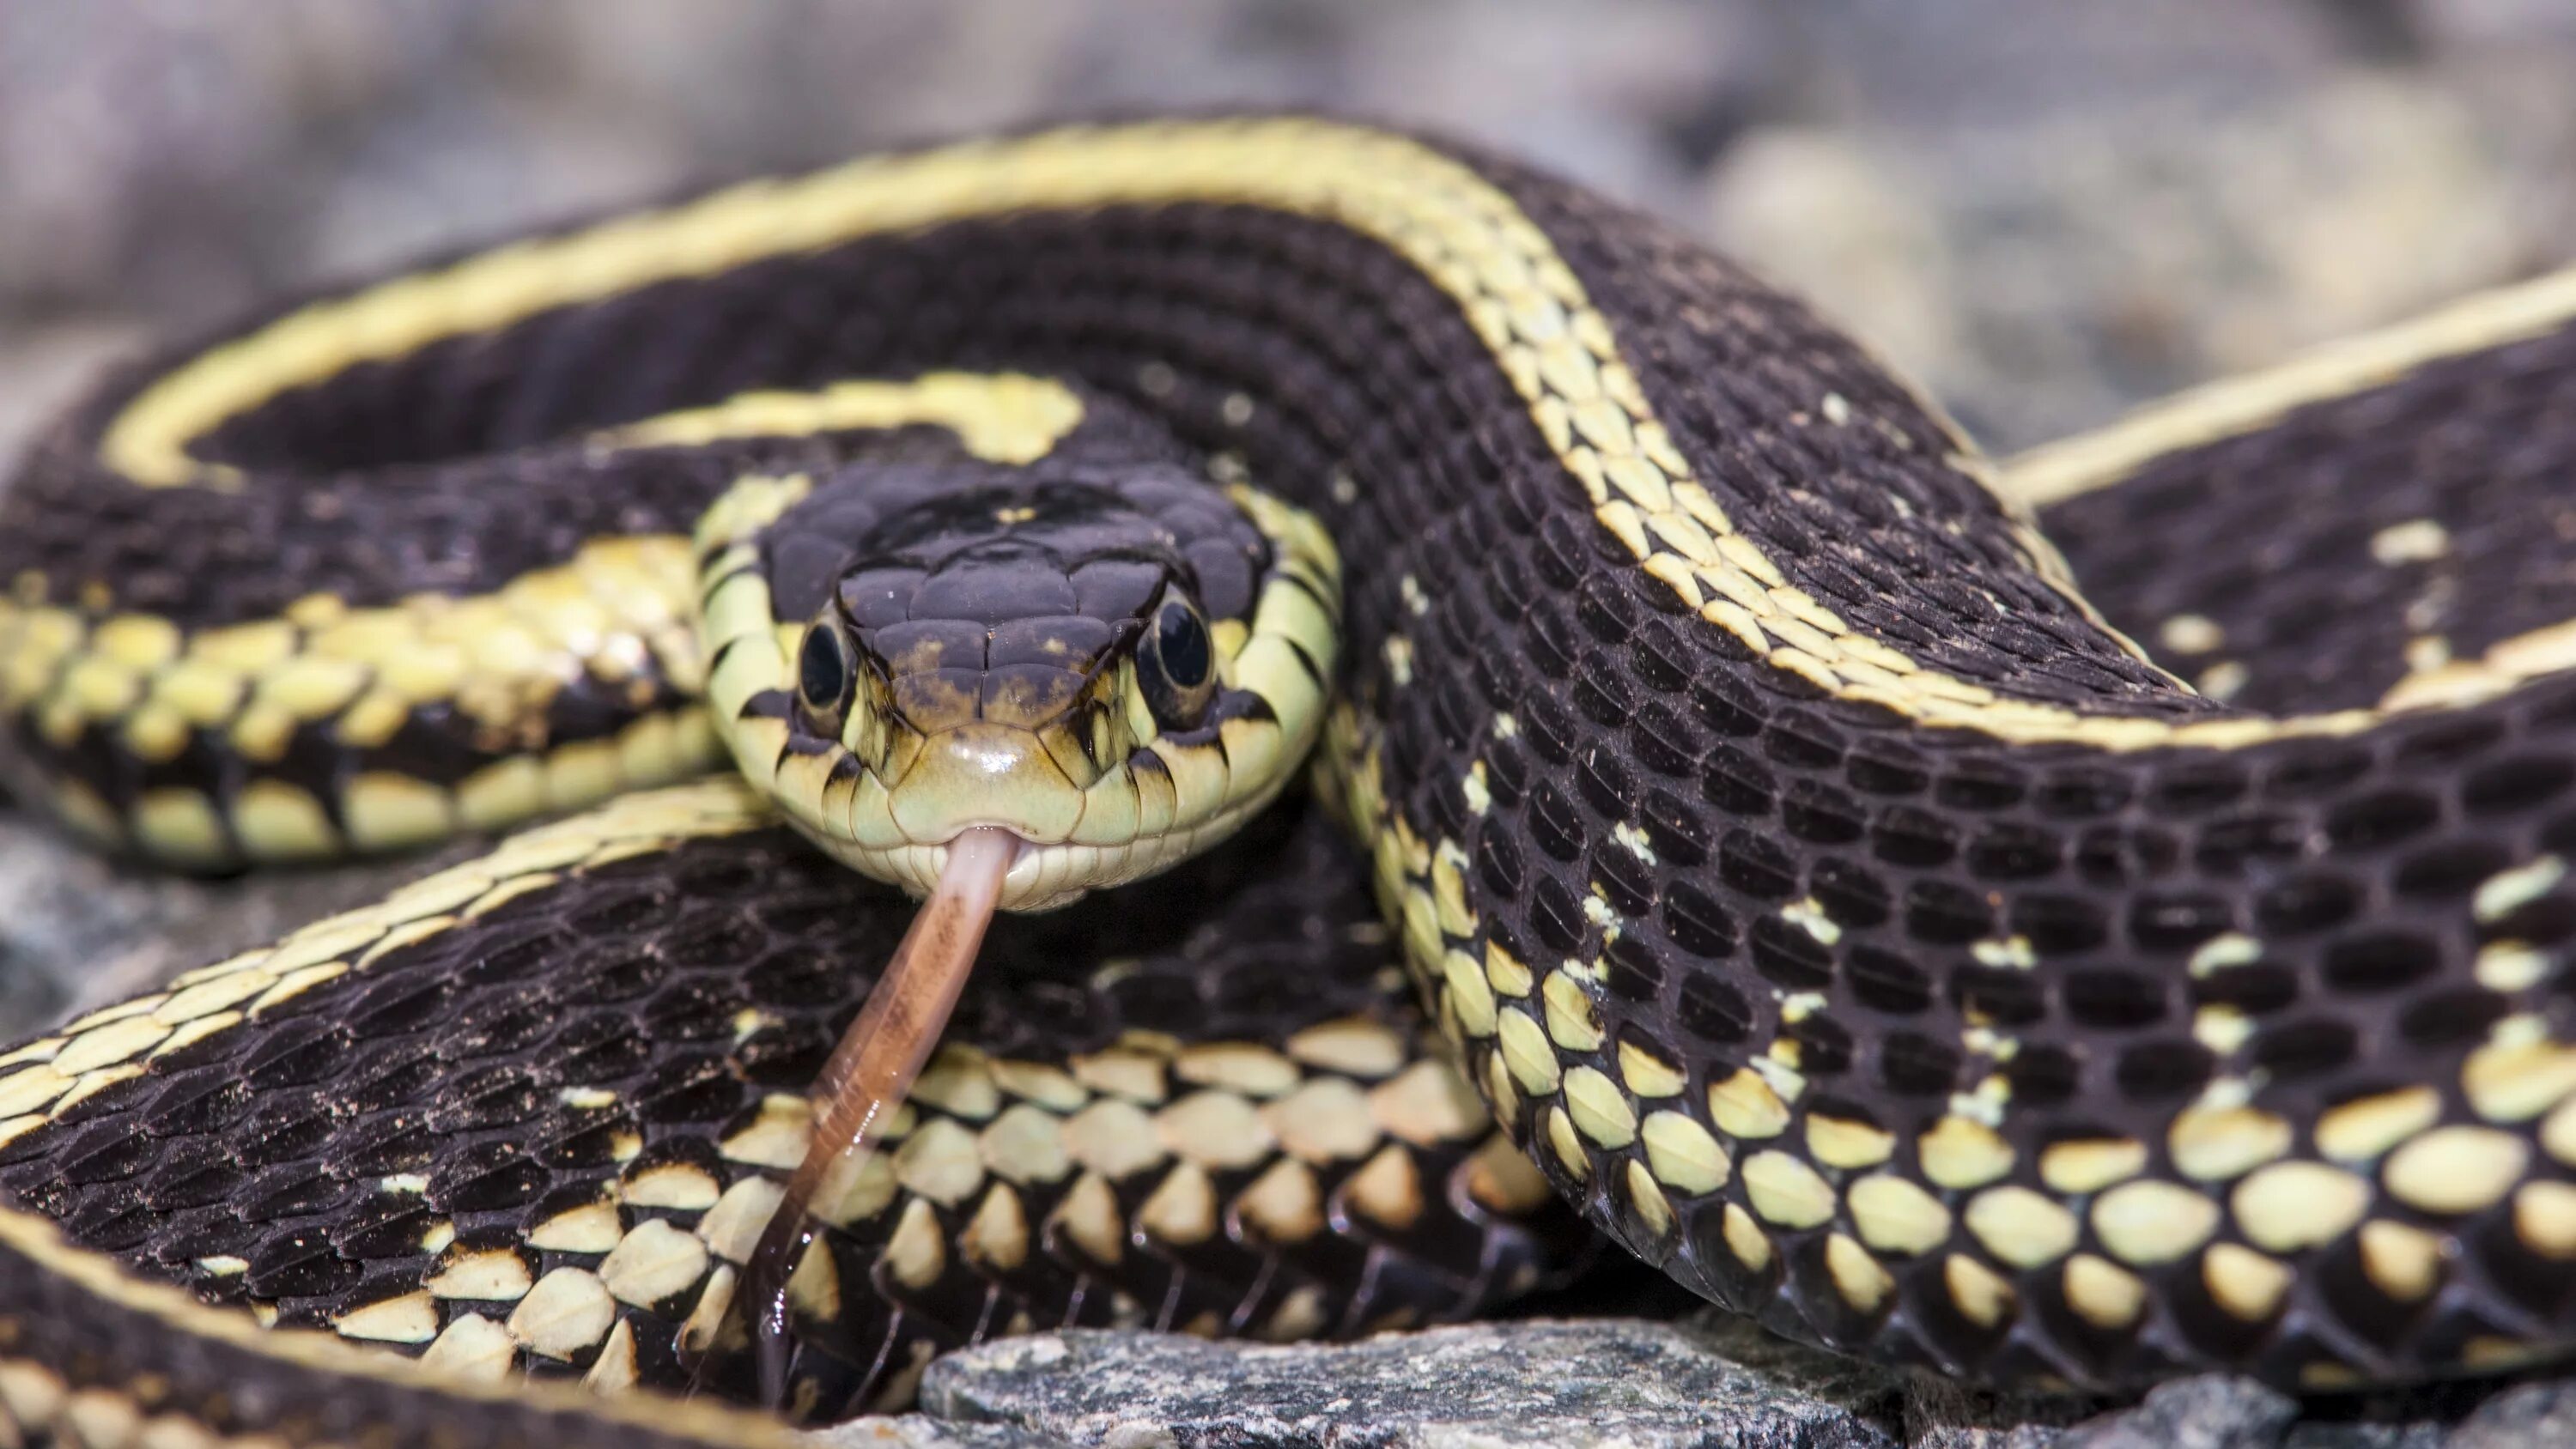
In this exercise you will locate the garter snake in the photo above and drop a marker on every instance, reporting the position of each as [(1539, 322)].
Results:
[(1839, 908)]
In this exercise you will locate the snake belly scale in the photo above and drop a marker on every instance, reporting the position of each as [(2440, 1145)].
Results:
[(1838, 908)]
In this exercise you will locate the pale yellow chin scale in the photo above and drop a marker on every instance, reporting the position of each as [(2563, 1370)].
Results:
[(1166, 797)]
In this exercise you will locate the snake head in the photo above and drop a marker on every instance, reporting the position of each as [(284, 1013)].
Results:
[(1118, 663)]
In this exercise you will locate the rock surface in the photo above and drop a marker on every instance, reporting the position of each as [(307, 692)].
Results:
[(1709, 1382), (1581, 1385)]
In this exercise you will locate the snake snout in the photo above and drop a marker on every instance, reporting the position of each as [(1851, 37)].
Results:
[(981, 773)]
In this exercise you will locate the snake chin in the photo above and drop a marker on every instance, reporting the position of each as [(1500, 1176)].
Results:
[(1046, 876)]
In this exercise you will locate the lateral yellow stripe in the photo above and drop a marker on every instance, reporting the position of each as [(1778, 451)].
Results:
[(2246, 402), (1460, 230), (38, 1240), (1002, 418)]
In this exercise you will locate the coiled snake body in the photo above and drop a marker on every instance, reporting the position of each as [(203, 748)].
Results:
[(1841, 913)]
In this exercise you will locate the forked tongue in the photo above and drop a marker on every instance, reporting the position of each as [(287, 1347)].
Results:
[(871, 1071)]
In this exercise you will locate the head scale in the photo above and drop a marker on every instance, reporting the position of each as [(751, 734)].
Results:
[(1117, 662)]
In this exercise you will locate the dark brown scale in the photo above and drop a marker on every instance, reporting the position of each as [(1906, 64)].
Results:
[(2269, 535)]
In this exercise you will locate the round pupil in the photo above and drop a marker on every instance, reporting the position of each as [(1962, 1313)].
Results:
[(823, 671), (1182, 640)]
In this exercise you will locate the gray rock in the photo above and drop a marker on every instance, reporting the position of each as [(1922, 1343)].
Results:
[(2210, 1412), (2327, 1434), (1610, 1383), (920, 1431), (2532, 1416)]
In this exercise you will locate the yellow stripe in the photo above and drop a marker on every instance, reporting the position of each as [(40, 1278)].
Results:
[(1457, 228), (1003, 418), (2246, 402), (38, 1240)]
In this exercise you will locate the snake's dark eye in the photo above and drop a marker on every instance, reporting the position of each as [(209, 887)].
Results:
[(1176, 664), (823, 670)]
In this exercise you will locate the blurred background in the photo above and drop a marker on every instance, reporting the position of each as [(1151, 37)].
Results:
[(2046, 210)]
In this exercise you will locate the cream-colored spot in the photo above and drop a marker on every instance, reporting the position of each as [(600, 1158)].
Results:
[(1246, 1068), (734, 1224), (1113, 1137), (2455, 1169), (1326, 1120), (494, 1275), (615, 1370), (592, 1227), (1524, 1049), (1896, 1216), (775, 1137), (2224, 951), (1182, 1209), (1566, 1141), (2515, 1081), (2243, 1282), (2101, 1294), (2191, 634), (940, 1161), (1136, 1076), (2217, 1143), (2298, 1204), (1600, 1110), (916, 1252), (1024, 1144), (2020, 1227), (1571, 1022), (1387, 1188), (680, 1186), (997, 1237), (2403, 1261), (1216, 1130), (1863, 1284), (2152, 1221), (1354, 1045), (2511, 966), (1682, 1154), (2544, 1218), (654, 1262), (1650, 1075), (1284, 1204), (1959, 1153), (2558, 1134), (1785, 1190), (472, 1348), (1746, 1106), (2417, 540), (411, 1318), (1088, 1218), (1977, 1291), (568, 1311), (2090, 1164), (2362, 1129), (2505, 892), (1427, 1104), (1745, 1239), (1840, 1142), (1653, 1211)]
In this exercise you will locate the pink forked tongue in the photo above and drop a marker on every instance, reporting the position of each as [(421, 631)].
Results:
[(872, 1069)]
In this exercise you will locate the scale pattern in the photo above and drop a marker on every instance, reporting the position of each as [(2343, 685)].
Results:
[(547, 1144)]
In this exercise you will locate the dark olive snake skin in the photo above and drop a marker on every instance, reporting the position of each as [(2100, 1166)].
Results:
[(1841, 914)]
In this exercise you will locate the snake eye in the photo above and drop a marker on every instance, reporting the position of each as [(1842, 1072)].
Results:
[(823, 671), (1176, 664)]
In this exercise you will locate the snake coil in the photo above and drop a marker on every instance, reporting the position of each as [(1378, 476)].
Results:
[(1837, 906)]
